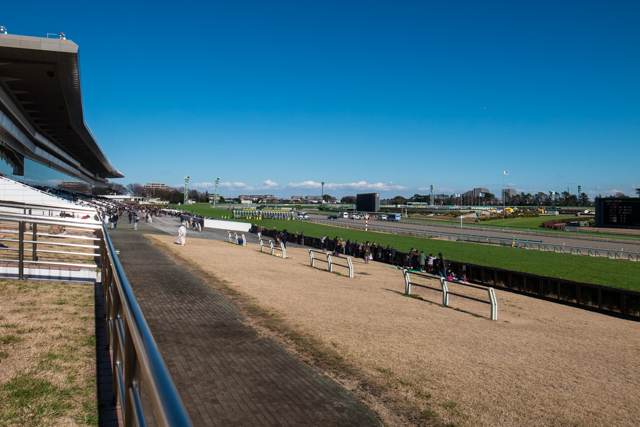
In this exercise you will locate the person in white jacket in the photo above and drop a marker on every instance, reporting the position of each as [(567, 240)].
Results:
[(182, 235)]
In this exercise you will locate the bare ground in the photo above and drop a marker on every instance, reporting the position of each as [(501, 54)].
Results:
[(416, 362)]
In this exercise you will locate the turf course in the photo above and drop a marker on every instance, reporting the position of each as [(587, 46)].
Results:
[(602, 271)]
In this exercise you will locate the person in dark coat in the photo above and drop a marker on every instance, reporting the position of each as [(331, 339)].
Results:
[(392, 256)]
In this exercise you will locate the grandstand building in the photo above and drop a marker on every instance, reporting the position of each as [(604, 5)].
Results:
[(44, 140)]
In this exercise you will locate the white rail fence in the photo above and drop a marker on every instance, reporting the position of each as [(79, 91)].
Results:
[(330, 262), (444, 288)]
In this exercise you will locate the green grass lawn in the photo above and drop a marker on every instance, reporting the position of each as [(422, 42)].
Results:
[(615, 273)]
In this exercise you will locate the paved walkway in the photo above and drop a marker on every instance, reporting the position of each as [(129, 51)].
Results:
[(225, 373)]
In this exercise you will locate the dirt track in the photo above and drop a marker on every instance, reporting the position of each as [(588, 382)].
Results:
[(540, 364)]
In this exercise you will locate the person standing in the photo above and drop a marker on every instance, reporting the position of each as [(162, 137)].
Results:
[(430, 260), (422, 260), (442, 266), (135, 221), (182, 235), (367, 253), (393, 256)]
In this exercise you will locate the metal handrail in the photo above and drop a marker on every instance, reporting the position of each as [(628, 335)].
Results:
[(135, 344)]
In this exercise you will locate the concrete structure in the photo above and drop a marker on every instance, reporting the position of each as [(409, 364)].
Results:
[(43, 137), (509, 191)]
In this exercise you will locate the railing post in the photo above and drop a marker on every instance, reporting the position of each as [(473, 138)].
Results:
[(34, 246), (21, 250), (494, 304), (284, 251), (271, 243), (311, 258), (350, 267), (445, 292), (407, 282), (244, 240), (128, 364), (329, 264)]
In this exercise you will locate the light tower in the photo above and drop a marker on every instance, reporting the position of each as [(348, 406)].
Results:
[(323, 190), (215, 193), (431, 201), (186, 189)]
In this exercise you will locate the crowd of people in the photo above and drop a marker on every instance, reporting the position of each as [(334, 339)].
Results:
[(372, 251)]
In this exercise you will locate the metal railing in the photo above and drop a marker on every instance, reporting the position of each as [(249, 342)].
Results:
[(495, 241), (330, 262), (444, 288), (596, 236), (135, 355), (273, 248)]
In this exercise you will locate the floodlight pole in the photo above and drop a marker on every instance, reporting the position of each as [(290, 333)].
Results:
[(186, 189)]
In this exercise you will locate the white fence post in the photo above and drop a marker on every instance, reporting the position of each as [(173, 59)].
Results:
[(271, 243), (329, 264), (350, 267), (244, 240), (284, 251), (407, 282), (236, 238), (229, 236), (311, 258), (494, 304), (261, 245), (445, 292)]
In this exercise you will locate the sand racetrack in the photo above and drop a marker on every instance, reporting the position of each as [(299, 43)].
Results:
[(541, 363)]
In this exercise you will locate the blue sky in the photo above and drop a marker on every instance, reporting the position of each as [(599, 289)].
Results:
[(276, 97)]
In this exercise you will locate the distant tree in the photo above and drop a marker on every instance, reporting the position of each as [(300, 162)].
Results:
[(221, 199), (638, 191), (420, 198), (176, 196), (583, 200), (620, 194), (135, 188), (399, 200), (348, 200), (326, 198)]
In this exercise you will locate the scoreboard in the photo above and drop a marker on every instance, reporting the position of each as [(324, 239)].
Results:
[(616, 212)]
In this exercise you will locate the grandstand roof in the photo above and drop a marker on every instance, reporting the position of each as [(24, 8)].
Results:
[(42, 76)]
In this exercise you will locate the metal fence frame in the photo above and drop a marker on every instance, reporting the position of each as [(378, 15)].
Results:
[(135, 355)]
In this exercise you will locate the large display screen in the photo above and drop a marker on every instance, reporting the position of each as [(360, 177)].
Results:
[(613, 212)]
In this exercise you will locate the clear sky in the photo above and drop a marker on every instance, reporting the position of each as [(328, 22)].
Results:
[(275, 97)]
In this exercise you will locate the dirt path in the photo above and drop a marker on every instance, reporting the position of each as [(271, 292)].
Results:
[(539, 364)]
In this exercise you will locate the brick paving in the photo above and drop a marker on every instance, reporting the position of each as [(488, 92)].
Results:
[(225, 373)]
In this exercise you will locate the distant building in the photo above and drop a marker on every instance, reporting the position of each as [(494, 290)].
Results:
[(153, 186), (509, 191), (476, 191), (297, 198)]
